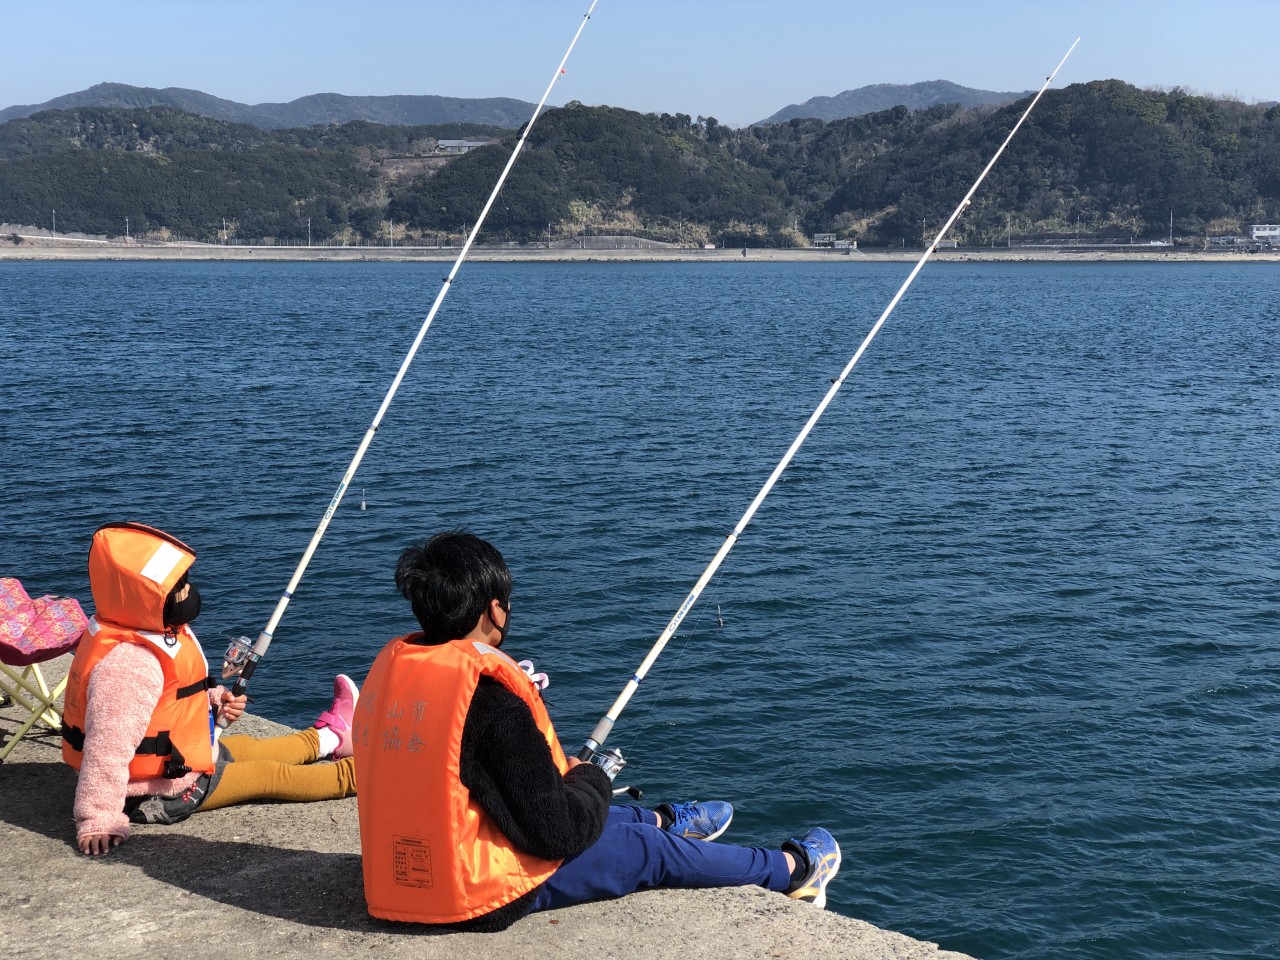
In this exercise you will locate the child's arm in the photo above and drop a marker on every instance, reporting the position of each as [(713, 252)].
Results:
[(123, 692)]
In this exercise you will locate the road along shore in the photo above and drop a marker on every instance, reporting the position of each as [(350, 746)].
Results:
[(56, 249)]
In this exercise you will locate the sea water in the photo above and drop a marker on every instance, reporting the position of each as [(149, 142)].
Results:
[(1007, 627)]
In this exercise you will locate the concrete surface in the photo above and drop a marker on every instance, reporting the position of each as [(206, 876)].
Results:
[(283, 881)]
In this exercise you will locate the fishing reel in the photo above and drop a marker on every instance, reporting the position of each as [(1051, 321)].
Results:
[(610, 761), (237, 655)]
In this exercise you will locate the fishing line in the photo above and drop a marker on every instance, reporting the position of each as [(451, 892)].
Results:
[(665, 676), (602, 729), (239, 656)]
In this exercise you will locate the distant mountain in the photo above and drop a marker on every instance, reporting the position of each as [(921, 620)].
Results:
[(319, 108), (1102, 160), (884, 96)]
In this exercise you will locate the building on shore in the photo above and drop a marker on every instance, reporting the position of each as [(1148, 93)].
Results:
[(462, 146)]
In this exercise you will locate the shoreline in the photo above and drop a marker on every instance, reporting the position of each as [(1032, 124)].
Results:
[(44, 249)]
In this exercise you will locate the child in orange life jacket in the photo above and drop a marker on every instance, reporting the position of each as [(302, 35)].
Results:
[(140, 707), (471, 815)]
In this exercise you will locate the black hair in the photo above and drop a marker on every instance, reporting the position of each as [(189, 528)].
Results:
[(449, 582)]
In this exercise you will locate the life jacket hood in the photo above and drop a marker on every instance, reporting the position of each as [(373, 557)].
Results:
[(132, 569)]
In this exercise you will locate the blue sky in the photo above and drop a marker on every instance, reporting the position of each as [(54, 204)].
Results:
[(738, 61)]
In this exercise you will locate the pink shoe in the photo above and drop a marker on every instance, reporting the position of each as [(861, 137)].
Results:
[(339, 716)]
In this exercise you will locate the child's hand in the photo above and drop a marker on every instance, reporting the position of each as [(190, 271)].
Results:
[(232, 708), (98, 844)]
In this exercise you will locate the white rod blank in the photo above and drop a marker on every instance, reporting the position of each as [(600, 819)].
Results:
[(264, 638), (605, 725)]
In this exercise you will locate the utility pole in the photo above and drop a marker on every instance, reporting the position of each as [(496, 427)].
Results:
[(308, 231), (126, 229), (55, 222), (1171, 227)]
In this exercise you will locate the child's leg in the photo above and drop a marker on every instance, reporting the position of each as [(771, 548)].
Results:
[(247, 780), (627, 813), (301, 746), (637, 856)]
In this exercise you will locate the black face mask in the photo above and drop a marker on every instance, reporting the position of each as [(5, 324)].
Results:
[(506, 625), (176, 614)]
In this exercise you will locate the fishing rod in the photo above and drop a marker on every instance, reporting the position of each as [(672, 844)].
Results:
[(611, 760), (241, 659)]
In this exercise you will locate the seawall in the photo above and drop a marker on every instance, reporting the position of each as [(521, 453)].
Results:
[(44, 248)]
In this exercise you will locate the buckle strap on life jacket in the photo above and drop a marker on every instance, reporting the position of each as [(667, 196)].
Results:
[(160, 746), (74, 737), (176, 765), (200, 686)]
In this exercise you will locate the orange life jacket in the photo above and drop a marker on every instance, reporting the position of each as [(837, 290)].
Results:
[(431, 853), (132, 569), (178, 738)]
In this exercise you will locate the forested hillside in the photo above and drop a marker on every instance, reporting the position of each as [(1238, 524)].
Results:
[(175, 174), (1101, 159)]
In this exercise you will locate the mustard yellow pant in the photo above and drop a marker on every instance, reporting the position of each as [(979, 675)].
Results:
[(280, 768)]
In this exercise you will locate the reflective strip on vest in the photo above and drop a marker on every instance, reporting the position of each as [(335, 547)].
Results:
[(162, 562)]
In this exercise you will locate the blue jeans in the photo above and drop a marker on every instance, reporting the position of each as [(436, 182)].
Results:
[(634, 854)]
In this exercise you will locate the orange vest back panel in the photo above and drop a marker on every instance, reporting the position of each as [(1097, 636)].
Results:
[(430, 853)]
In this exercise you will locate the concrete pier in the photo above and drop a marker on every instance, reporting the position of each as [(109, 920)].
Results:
[(282, 881)]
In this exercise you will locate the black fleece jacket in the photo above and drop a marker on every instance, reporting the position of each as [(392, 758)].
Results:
[(507, 766)]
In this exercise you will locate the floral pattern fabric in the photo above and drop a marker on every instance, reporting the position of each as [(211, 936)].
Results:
[(32, 631)]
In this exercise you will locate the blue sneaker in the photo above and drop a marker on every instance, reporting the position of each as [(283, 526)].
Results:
[(821, 855), (697, 820)]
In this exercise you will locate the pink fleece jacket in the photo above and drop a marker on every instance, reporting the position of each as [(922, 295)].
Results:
[(123, 692)]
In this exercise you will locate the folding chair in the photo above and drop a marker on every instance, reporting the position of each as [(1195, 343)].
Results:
[(31, 633)]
